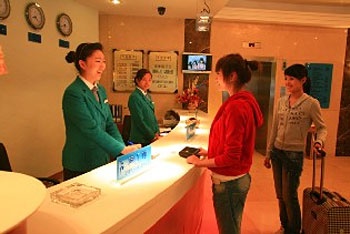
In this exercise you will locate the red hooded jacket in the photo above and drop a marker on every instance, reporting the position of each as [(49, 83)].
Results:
[(232, 134)]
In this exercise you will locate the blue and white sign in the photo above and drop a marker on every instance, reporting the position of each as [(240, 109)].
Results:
[(131, 164), (190, 130), (321, 82)]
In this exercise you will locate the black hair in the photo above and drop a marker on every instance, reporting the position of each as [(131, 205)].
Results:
[(299, 71), (140, 74), (83, 51), (236, 63)]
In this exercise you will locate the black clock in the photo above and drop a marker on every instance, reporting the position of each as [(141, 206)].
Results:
[(64, 24), (35, 15)]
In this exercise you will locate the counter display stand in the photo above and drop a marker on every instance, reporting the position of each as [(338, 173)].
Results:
[(167, 196)]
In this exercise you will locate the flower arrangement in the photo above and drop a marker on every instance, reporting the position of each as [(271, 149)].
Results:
[(190, 97)]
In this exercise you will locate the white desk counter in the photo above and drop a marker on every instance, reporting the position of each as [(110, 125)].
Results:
[(20, 196), (137, 205)]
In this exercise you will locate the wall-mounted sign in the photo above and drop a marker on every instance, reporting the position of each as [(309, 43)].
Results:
[(34, 37), (126, 64), (321, 82), (163, 66)]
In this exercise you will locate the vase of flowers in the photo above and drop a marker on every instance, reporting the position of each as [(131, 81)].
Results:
[(189, 99), (184, 105)]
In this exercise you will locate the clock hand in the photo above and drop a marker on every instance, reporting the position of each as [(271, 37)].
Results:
[(36, 18)]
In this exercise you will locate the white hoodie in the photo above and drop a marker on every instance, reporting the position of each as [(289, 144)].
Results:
[(291, 124)]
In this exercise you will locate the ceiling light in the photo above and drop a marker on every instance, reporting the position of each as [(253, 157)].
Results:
[(116, 2)]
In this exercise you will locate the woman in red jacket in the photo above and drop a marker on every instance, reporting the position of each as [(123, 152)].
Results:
[(231, 142)]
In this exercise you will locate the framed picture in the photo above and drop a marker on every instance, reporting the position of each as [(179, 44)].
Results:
[(164, 69), (126, 63)]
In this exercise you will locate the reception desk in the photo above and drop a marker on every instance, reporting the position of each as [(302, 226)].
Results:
[(167, 196)]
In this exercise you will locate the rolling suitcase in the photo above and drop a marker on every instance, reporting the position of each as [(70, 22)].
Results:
[(324, 211)]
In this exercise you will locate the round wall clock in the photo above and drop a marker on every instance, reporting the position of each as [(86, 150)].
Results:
[(64, 24), (5, 9), (35, 15)]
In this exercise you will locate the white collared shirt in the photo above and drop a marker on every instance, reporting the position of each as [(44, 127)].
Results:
[(87, 82), (144, 93)]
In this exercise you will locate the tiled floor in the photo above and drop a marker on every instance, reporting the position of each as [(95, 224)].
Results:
[(261, 210)]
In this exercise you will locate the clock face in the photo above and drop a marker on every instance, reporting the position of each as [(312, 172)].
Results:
[(4, 9), (64, 24), (35, 16)]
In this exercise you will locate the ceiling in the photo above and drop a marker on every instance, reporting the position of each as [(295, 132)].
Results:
[(184, 9), (323, 13)]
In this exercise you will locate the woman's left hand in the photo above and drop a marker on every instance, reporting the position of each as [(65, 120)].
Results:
[(193, 159), (267, 162), (318, 149)]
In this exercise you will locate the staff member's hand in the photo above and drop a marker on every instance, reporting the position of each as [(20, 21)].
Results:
[(156, 137), (131, 148)]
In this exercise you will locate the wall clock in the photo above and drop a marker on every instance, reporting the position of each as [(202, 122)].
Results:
[(64, 24), (5, 9), (35, 15)]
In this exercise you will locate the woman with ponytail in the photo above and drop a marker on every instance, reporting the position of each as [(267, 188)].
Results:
[(231, 142)]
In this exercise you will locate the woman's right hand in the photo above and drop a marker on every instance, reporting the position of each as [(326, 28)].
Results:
[(131, 148), (202, 152), (267, 162)]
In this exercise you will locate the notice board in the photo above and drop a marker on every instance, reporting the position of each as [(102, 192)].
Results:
[(321, 82), (126, 63), (163, 66)]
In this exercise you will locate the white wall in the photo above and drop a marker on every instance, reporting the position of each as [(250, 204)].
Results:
[(31, 123)]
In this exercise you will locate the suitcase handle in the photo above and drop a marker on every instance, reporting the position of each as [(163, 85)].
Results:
[(314, 193)]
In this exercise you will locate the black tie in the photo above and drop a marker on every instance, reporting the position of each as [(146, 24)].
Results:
[(95, 92)]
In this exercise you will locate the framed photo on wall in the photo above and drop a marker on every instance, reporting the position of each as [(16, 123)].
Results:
[(126, 63), (163, 66)]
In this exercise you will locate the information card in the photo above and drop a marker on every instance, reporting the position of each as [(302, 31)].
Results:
[(132, 164), (190, 130)]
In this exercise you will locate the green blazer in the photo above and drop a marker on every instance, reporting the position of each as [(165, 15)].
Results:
[(91, 134), (144, 124)]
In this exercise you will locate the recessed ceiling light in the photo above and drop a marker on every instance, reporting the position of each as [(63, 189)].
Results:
[(115, 2)]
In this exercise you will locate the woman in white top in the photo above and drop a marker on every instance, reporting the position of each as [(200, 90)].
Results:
[(292, 119)]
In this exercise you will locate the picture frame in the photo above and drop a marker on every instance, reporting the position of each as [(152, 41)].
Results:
[(164, 69), (126, 63)]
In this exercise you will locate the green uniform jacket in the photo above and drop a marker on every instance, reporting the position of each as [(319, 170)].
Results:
[(144, 124), (91, 134)]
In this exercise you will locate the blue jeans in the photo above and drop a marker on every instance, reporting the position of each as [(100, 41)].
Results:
[(287, 167), (229, 199)]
